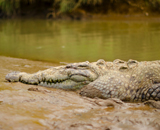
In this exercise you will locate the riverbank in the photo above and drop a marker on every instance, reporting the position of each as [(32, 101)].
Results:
[(78, 10)]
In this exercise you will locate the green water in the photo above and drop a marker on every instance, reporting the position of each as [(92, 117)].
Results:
[(73, 41)]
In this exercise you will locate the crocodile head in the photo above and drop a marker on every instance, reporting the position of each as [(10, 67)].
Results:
[(70, 77)]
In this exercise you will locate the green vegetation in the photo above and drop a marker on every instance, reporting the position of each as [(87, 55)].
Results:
[(70, 5), (18, 7), (9, 6)]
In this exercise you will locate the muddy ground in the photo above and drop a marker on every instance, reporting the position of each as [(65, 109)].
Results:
[(29, 107)]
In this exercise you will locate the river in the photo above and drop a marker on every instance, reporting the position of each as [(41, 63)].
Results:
[(74, 41)]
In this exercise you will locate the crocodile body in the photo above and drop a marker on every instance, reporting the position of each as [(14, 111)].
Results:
[(129, 81)]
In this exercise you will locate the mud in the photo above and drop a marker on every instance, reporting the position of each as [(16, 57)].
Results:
[(31, 107)]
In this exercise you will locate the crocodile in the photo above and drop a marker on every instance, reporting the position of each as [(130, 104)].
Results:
[(130, 80)]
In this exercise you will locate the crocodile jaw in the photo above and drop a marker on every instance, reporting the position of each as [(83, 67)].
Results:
[(66, 84), (68, 79)]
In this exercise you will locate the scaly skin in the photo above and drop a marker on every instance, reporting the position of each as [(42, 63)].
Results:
[(129, 81)]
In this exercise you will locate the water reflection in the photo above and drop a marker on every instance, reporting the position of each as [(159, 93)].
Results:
[(80, 41)]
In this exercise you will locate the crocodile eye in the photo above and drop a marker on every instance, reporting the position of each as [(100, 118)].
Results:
[(84, 64), (69, 66)]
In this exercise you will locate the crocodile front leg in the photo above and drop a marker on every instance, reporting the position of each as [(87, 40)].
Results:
[(112, 85)]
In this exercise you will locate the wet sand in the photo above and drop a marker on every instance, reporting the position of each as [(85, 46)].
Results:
[(29, 107)]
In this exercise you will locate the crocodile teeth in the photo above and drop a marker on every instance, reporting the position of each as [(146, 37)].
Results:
[(41, 83)]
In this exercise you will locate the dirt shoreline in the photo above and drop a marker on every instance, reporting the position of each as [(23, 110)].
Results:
[(30, 107)]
